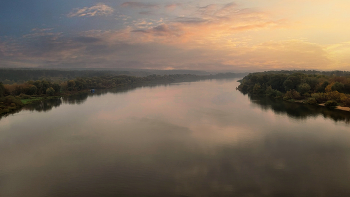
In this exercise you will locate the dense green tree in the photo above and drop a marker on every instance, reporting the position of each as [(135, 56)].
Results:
[(312, 81), (71, 85), (56, 87), (338, 87), (257, 89), (272, 92), (304, 88), (32, 90), (293, 81), (276, 82), (39, 86), (322, 87), (288, 85)]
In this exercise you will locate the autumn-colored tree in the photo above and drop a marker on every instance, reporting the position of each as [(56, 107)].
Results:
[(292, 94), (329, 87), (50, 91)]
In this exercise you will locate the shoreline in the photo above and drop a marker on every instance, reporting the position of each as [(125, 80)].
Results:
[(34, 99), (341, 108), (10, 109)]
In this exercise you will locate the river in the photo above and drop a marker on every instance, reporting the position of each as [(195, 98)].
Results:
[(185, 139)]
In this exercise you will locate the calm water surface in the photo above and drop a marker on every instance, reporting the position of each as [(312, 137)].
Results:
[(187, 139)]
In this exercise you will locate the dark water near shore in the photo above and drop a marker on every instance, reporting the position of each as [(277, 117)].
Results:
[(187, 139)]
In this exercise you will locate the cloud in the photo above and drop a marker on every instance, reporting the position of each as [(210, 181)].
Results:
[(84, 39), (226, 9), (126, 48), (139, 5), (204, 39), (41, 32), (212, 37), (99, 9), (208, 10), (172, 6), (146, 13), (210, 24), (190, 20), (161, 29)]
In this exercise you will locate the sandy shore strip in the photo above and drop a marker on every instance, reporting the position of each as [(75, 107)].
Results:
[(343, 108), (338, 107)]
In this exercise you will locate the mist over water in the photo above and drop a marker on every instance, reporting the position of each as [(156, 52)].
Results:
[(186, 139)]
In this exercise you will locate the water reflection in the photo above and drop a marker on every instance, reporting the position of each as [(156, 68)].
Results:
[(44, 106), (47, 105), (299, 111), (190, 139), (279, 165), (292, 110)]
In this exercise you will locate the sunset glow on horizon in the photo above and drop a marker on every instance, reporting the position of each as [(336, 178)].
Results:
[(242, 35)]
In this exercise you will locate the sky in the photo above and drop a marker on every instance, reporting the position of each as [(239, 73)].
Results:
[(241, 35)]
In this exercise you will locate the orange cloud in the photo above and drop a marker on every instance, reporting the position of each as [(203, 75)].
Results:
[(212, 23)]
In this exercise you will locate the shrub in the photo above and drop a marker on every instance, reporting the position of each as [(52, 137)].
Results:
[(346, 101), (333, 95), (11, 99), (311, 101), (24, 96), (273, 93), (307, 95), (320, 97), (292, 94)]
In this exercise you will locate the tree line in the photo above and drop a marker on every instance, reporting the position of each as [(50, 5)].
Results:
[(330, 88), (12, 75), (13, 96)]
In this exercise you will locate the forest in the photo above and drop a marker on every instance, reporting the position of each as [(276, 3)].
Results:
[(14, 96), (22, 75), (326, 88)]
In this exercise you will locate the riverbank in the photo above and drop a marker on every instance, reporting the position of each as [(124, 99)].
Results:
[(16, 96), (10, 104), (327, 89), (342, 108)]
